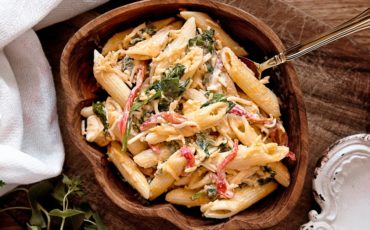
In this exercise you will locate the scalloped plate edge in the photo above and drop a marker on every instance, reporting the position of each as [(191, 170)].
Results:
[(332, 188)]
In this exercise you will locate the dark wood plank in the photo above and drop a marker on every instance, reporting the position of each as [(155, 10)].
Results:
[(335, 12)]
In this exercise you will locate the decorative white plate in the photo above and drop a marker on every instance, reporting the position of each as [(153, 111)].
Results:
[(341, 186)]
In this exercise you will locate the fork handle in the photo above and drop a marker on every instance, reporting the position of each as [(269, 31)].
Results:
[(358, 23)]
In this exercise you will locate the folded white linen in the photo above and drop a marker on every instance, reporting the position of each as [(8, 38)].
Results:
[(31, 147)]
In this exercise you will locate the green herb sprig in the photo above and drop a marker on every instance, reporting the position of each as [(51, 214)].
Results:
[(203, 143), (99, 110), (167, 89), (78, 214), (204, 40), (219, 97)]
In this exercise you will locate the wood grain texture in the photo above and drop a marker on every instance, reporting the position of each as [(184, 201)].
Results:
[(335, 81), (335, 12), (79, 88)]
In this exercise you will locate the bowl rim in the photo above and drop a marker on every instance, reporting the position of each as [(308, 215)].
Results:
[(164, 211)]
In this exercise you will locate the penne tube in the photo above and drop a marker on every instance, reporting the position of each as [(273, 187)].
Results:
[(175, 49), (126, 41), (243, 198), (87, 111), (181, 196), (150, 48), (282, 174), (170, 172), (245, 79), (245, 133), (128, 169), (112, 83), (241, 175), (95, 131), (166, 132), (183, 181), (260, 154), (162, 23), (148, 158), (204, 21), (191, 61), (199, 178), (208, 116), (115, 42), (136, 147)]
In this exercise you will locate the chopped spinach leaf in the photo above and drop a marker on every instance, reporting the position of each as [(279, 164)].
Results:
[(204, 40), (262, 181), (99, 110), (127, 63), (136, 40), (197, 195), (203, 143), (212, 192), (167, 89), (219, 97), (149, 30), (2, 183), (224, 147), (269, 170), (209, 67)]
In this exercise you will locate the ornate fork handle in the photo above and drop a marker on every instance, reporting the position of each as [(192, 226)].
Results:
[(358, 23)]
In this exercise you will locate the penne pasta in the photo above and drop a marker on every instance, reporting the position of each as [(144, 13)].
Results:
[(128, 169), (170, 172), (151, 47), (111, 82), (214, 113), (148, 158), (175, 49), (244, 132), (115, 42), (257, 155), (244, 198), (191, 61), (181, 196), (204, 21), (245, 79), (281, 173)]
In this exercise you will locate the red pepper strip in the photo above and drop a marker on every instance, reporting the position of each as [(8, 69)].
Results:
[(155, 148), (221, 183), (237, 110), (170, 117), (291, 156), (130, 100), (186, 152)]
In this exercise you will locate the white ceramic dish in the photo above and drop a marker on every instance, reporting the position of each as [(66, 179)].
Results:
[(341, 186)]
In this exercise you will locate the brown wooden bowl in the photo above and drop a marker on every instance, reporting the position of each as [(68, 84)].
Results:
[(80, 89)]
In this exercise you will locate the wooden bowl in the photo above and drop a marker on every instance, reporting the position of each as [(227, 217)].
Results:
[(81, 89)]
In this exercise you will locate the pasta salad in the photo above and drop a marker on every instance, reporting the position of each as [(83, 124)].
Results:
[(186, 117)]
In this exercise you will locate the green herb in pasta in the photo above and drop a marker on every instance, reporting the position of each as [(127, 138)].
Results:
[(204, 40), (99, 110)]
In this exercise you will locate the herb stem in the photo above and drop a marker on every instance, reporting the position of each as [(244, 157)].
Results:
[(89, 221), (14, 208), (46, 214), (62, 224), (65, 201)]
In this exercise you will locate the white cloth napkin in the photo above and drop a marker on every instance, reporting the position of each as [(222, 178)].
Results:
[(31, 147)]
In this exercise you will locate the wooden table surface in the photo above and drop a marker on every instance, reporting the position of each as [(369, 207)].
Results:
[(335, 81)]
